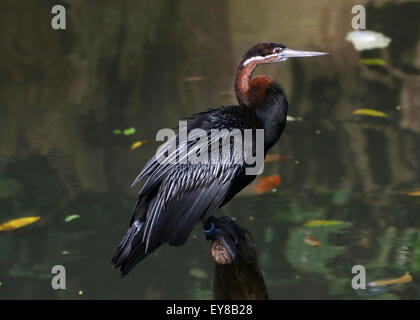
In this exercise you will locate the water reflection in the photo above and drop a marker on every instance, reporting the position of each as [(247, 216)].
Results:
[(125, 65)]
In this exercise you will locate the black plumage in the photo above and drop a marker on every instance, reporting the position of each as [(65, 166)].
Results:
[(177, 195)]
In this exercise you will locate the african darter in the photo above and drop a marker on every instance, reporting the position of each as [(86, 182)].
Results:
[(177, 195)]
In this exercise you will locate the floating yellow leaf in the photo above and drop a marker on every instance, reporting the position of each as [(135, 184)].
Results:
[(275, 157), (312, 241), (404, 279), (267, 183), (138, 144), (17, 223), (415, 193), (370, 113), (322, 223)]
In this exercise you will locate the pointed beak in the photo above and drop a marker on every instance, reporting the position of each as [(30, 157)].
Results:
[(290, 53)]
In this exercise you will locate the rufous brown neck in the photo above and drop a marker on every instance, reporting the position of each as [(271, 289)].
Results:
[(250, 91)]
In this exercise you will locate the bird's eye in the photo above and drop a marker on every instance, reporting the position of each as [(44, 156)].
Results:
[(277, 50)]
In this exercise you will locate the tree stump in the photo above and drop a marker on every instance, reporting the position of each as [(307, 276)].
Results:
[(241, 279)]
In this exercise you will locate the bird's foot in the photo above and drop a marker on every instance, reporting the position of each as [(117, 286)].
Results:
[(225, 235)]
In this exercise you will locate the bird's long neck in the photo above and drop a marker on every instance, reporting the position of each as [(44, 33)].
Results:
[(242, 82), (250, 91)]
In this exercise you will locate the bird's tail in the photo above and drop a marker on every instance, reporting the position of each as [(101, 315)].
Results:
[(131, 249)]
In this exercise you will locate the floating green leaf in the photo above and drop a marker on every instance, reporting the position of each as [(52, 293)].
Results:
[(269, 234), (71, 217), (198, 273), (290, 118), (306, 22), (117, 131), (340, 197), (129, 131), (370, 112), (322, 223), (373, 62)]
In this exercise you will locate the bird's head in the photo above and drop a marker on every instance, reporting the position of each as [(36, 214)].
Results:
[(269, 52)]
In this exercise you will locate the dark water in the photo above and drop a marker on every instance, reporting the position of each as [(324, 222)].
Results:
[(145, 64)]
